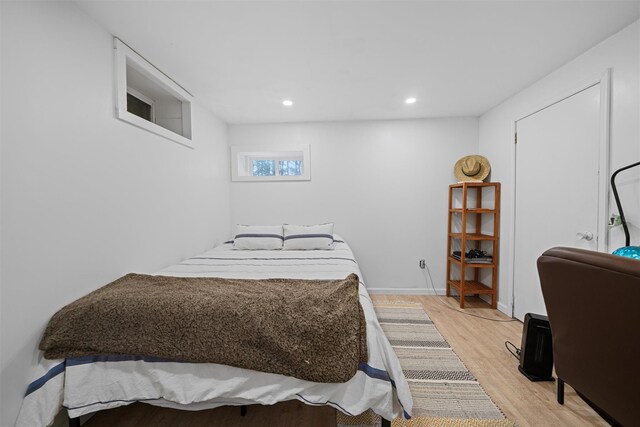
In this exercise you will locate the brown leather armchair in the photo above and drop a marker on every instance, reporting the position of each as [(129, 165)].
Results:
[(593, 304)]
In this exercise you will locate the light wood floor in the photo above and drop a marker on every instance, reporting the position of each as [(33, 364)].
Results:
[(478, 342)]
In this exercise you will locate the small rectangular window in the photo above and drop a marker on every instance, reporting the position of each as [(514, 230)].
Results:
[(140, 105), (269, 163), (147, 98)]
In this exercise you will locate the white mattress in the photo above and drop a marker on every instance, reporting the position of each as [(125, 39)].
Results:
[(88, 384)]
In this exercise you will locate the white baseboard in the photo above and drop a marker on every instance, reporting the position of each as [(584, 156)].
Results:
[(504, 308), (405, 291)]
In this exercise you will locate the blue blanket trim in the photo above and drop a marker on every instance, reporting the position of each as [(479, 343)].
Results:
[(111, 401), (308, 236), (326, 402), (51, 373), (372, 372), (83, 360), (383, 375)]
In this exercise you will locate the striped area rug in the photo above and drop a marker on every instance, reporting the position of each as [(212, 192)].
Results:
[(444, 392)]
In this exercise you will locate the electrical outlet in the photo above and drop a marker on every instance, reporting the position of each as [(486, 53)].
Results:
[(422, 263), (615, 220)]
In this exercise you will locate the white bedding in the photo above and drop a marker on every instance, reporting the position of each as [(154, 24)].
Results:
[(88, 384)]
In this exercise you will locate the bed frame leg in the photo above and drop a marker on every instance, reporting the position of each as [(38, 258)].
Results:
[(560, 391), (243, 410), (386, 423), (74, 422)]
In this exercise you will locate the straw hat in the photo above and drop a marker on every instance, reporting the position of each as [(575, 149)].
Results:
[(472, 168)]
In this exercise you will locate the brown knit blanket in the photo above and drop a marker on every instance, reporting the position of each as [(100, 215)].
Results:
[(309, 329)]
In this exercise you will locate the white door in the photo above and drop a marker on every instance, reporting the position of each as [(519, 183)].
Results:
[(557, 158)]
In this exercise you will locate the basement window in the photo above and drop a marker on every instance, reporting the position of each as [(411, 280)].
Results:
[(268, 163), (141, 105), (150, 100)]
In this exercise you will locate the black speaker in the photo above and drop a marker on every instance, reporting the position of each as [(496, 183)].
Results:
[(536, 354)]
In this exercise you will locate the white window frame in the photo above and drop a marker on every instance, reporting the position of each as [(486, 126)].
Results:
[(242, 157), (123, 55)]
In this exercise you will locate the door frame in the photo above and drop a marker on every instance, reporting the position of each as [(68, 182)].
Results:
[(603, 170)]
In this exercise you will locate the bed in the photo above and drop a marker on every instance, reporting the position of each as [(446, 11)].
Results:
[(85, 385)]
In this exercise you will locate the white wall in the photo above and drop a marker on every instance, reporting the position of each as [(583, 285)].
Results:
[(383, 183), (86, 198), (620, 53)]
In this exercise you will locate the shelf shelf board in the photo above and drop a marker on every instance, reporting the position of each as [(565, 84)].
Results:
[(473, 264), (473, 236), (472, 287), (473, 210)]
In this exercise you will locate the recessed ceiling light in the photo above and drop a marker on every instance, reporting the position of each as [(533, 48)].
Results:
[(410, 100), (287, 103)]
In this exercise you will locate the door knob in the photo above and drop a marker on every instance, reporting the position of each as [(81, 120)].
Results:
[(588, 236)]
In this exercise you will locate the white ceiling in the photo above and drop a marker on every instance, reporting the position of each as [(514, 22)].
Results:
[(357, 60)]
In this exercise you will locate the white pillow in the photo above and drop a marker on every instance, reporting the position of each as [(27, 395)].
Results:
[(307, 237), (258, 237)]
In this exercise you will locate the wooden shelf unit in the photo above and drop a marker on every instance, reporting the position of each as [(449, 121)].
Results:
[(466, 285)]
